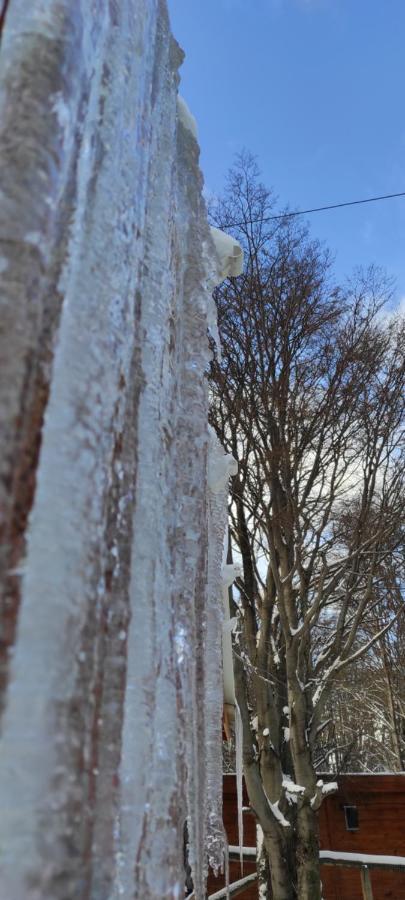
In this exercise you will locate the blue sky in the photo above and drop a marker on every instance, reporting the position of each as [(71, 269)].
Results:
[(315, 89)]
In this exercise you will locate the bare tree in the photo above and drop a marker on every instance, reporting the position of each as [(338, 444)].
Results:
[(366, 708), (308, 396)]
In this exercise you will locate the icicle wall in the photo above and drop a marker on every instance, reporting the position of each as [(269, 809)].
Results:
[(111, 540)]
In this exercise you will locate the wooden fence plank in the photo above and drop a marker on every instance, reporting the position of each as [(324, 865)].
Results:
[(366, 883), (236, 888)]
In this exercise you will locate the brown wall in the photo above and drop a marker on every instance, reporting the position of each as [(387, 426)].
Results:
[(380, 801)]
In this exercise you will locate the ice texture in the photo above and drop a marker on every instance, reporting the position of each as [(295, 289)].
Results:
[(112, 612), (239, 774), (219, 469)]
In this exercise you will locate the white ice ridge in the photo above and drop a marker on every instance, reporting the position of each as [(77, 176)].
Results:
[(229, 625), (229, 572), (186, 117), (229, 252), (220, 468)]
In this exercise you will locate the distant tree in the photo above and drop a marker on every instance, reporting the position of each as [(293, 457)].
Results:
[(309, 397), (366, 708)]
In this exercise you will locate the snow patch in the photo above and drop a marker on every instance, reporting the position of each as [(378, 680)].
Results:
[(186, 117), (229, 252), (278, 814), (290, 786), (329, 788)]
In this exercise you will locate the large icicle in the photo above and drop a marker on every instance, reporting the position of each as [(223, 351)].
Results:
[(239, 777), (220, 467), (107, 266), (230, 571)]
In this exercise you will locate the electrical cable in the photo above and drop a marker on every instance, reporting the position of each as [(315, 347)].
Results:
[(304, 212)]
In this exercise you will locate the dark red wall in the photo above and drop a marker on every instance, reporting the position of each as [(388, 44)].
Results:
[(380, 801)]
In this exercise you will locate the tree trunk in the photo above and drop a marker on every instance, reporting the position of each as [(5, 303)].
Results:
[(263, 868), (307, 856), (282, 882), (288, 869)]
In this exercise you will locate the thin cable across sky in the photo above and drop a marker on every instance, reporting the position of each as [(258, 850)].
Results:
[(304, 212)]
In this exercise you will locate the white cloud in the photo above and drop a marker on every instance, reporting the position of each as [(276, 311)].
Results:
[(388, 313), (400, 307)]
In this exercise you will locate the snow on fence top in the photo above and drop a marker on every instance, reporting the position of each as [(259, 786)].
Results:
[(333, 857), (338, 857)]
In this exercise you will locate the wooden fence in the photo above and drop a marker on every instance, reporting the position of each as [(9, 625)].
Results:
[(365, 862)]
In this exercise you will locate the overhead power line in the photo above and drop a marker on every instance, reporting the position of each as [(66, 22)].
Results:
[(304, 212)]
